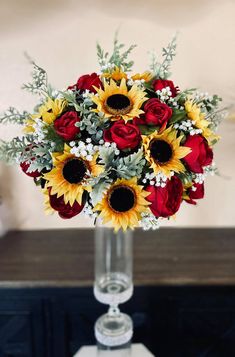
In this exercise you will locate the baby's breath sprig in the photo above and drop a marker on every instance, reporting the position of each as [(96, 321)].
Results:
[(149, 221)]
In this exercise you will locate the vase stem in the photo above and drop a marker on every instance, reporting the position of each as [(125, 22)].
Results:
[(113, 284)]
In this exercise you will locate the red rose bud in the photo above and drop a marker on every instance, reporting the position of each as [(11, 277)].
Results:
[(195, 192), (65, 210), (65, 125), (157, 113), (159, 84), (24, 166), (201, 154), (165, 201), (86, 82), (126, 136)]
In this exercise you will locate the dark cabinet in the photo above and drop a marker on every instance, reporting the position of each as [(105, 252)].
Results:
[(171, 322), (183, 304), (21, 327)]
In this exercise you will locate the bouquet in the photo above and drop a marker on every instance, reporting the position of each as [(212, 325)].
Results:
[(126, 148)]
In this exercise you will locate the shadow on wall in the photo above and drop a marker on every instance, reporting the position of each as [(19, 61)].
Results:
[(170, 13), (14, 13), (8, 210)]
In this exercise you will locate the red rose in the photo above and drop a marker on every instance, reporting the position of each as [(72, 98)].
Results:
[(65, 210), (86, 82), (139, 121), (24, 166), (201, 154), (126, 136), (157, 113), (165, 201), (65, 125), (195, 193), (159, 84)]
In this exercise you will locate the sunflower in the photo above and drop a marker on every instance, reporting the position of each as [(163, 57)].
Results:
[(29, 126), (47, 207), (116, 102), (50, 110), (123, 204), (69, 174), (198, 117), (117, 74), (146, 76), (163, 151)]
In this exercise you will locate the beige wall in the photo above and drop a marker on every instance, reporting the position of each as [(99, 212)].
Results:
[(61, 35)]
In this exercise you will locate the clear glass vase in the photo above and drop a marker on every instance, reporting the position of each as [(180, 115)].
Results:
[(113, 285)]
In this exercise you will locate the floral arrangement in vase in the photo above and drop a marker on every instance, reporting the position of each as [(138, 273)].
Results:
[(125, 147)]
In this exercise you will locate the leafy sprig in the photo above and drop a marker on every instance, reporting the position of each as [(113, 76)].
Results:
[(15, 150), (162, 69), (13, 116), (39, 84), (131, 165), (40, 158), (100, 186), (118, 57)]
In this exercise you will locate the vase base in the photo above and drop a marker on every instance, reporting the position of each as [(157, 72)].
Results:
[(114, 330)]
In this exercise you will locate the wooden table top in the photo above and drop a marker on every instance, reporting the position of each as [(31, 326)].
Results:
[(169, 256)]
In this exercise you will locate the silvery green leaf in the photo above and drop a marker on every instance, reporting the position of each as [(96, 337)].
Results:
[(99, 190), (117, 58), (107, 155), (39, 83), (15, 150), (13, 116), (162, 69), (131, 165)]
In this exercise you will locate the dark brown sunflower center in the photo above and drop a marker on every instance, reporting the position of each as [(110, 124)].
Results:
[(118, 104), (161, 151), (122, 199), (74, 170)]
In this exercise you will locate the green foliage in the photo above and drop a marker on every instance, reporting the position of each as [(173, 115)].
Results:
[(99, 189), (216, 117), (39, 84), (186, 177), (210, 103), (162, 69), (43, 158), (52, 137), (71, 98), (147, 129), (107, 156), (13, 116), (118, 57), (123, 167), (212, 170), (15, 150), (131, 165), (177, 116), (94, 124), (183, 96)]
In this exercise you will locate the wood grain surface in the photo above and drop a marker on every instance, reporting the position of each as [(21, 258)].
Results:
[(64, 258)]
